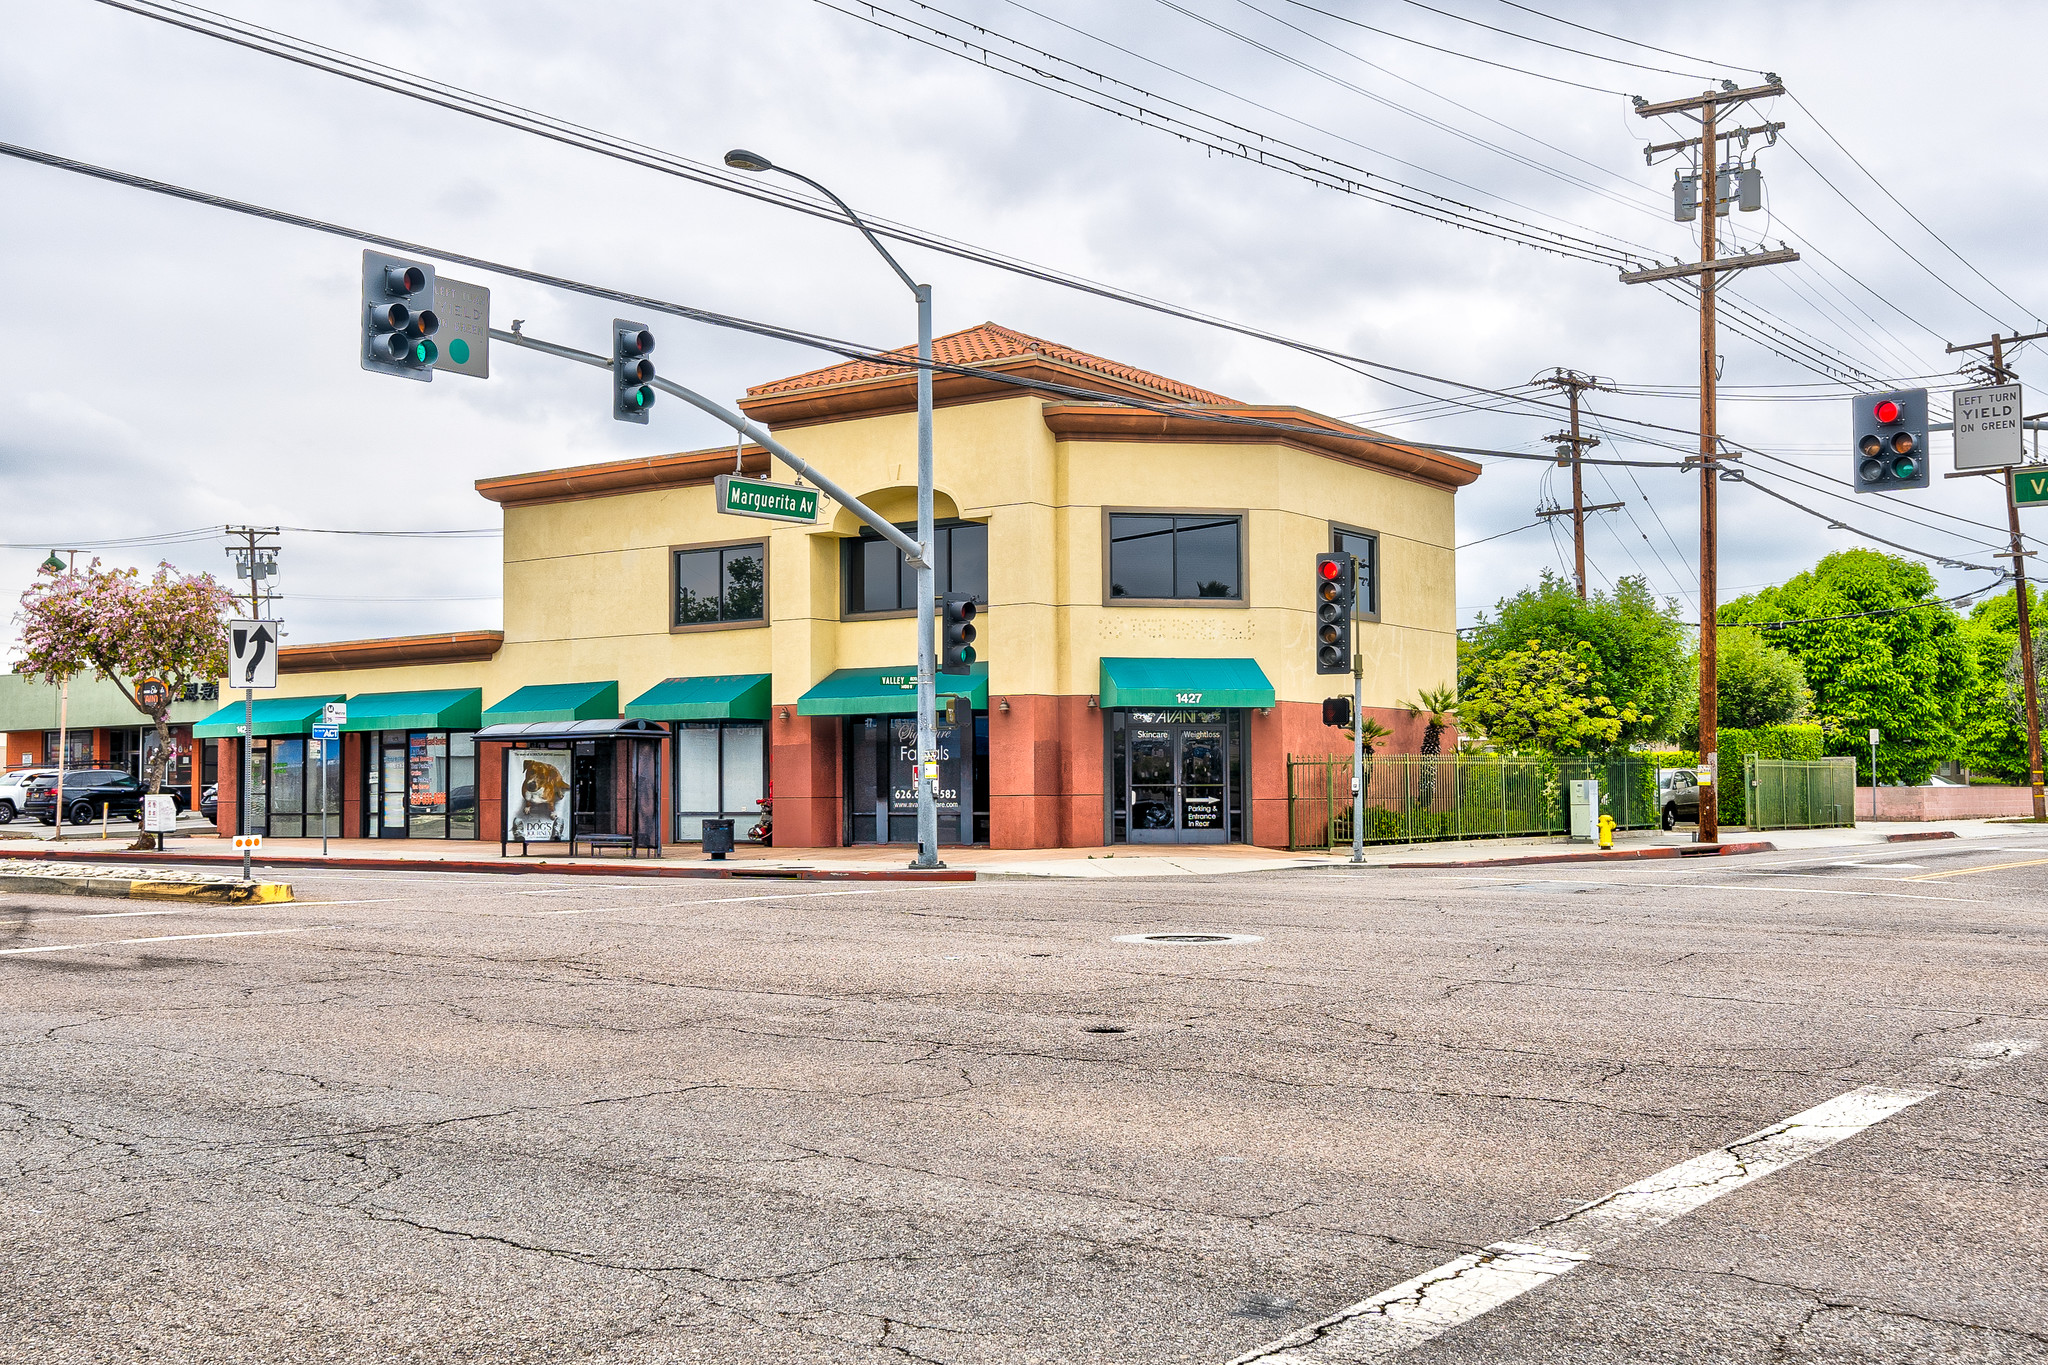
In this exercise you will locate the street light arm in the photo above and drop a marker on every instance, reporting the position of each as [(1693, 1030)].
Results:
[(855, 219)]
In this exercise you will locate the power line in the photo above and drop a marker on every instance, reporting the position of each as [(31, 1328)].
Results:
[(845, 349), (1731, 66), (1556, 47), (1517, 531), (1447, 51)]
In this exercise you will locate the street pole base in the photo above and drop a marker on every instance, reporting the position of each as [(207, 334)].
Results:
[(920, 865)]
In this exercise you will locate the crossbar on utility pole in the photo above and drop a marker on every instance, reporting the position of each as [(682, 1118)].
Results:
[(1708, 107), (1574, 383)]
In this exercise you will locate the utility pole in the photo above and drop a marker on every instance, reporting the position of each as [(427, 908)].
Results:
[(2029, 688), (1707, 109), (1574, 383), (256, 560)]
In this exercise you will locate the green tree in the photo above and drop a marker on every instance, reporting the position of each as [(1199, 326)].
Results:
[(1439, 707), (1633, 649), (1994, 724), (1906, 672), (1757, 685), (1543, 699)]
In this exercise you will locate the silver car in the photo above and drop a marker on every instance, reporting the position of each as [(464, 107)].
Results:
[(13, 793)]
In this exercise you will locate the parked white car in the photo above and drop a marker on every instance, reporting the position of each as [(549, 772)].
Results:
[(13, 793)]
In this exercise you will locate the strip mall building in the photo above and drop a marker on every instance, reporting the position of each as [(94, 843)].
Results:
[(1147, 662)]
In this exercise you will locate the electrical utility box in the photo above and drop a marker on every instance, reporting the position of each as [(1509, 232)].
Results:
[(1585, 808)]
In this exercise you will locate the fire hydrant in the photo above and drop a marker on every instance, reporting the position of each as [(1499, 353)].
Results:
[(1607, 831)]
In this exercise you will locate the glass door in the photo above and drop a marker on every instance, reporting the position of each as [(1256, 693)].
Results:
[(391, 793), (1203, 768), (1179, 783)]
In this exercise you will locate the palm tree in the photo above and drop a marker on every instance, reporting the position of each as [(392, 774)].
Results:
[(1440, 705)]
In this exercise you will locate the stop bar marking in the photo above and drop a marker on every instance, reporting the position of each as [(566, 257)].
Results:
[(1458, 1291)]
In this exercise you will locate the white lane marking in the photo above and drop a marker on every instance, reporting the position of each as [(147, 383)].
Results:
[(126, 914), (723, 900), (1750, 887), (1458, 1291), (382, 900), (163, 938)]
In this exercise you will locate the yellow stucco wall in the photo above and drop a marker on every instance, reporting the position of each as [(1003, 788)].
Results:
[(587, 582)]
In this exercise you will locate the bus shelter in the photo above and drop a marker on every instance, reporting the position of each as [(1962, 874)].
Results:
[(578, 782)]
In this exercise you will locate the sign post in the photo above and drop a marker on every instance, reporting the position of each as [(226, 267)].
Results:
[(252, 663), (742, 496), (323, 735), (1873, 772)]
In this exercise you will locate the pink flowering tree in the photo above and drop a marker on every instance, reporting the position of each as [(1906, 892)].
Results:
[(114, 624)]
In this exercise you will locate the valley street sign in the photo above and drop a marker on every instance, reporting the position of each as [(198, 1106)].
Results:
[(2030, 487), (1988, 427), (745, 497)]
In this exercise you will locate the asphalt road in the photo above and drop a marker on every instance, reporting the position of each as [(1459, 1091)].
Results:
[(443, 1117)]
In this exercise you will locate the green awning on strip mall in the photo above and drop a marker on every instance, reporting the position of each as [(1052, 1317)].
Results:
[(888, 692), (455, 708), (273, 716), (724, 696), (1205, 683), (543, 702)]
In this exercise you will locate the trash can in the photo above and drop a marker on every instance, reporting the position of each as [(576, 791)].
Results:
[(718, 838)]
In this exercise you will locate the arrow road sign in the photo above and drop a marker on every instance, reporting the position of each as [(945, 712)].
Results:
[(252, 653)]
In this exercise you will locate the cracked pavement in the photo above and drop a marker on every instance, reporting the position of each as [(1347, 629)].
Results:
[(686, 1125)]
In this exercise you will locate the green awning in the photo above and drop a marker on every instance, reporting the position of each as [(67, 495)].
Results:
[(455, 708), (1184, 682), (273, 716), (556, 701), (728, 696), (887, 692)]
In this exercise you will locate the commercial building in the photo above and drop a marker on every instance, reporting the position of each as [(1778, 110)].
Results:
[(1146, 644), (102, 729)]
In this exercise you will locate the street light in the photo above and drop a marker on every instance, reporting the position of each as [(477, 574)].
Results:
[(927, 741)]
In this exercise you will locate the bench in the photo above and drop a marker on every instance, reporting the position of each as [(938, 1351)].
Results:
[(603, 841)]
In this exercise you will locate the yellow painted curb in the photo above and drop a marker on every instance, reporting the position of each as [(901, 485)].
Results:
[(229, 893)]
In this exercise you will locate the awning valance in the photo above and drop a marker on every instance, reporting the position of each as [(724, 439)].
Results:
[(726, 696), (887, 692), (457, 708), (556, 702), (273, 716), (1184, 682), (531, 731)]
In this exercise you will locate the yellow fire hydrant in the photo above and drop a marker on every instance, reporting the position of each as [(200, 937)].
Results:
[(1607, 831)]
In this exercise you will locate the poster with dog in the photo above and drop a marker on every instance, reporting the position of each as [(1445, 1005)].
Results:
[(537, 795)]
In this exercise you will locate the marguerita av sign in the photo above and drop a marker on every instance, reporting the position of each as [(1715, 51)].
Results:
[(745, 497)]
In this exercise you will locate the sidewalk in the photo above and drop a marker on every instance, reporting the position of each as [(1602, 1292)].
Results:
[(965, 864)]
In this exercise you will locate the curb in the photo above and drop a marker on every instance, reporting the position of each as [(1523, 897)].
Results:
[(736, 872), (1921, 835), (123, 888), (1618, 855)]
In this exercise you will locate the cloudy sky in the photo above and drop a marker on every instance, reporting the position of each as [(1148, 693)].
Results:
[(170, 368)]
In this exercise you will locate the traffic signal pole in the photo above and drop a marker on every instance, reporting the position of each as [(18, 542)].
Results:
[(2029, 686), (1707, 108), (1358, 758)]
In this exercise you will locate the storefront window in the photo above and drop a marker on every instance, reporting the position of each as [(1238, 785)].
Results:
[(419, 784), (462, 784), (720, 768), (77, 747), (1174, 557)]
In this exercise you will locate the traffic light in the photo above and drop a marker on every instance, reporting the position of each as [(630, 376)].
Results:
[(956, 632), (1890, 435), (398, 318), (1336, 589), (632, 371), (1337, 712)]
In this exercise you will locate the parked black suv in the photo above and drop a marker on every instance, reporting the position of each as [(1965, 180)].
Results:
[(87, 792)]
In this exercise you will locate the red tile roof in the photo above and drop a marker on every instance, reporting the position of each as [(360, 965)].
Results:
[(986, 344)]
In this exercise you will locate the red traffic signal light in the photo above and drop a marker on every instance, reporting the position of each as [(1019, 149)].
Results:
[(1329, 568), (1886, 412)]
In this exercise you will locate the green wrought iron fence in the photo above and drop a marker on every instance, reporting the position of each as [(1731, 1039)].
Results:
[(1788, 793), (1411, 799)]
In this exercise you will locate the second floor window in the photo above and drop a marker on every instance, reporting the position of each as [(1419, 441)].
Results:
[(719, 584), (1157, 557), (877, 579), (1365, 547)]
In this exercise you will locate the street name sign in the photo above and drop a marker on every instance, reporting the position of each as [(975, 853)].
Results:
[(465, 334), (745, 497), (2030, 487), (252, 653), (1988, 427)]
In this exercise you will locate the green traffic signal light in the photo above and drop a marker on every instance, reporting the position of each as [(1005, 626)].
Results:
[(1905, 467), (424, 352)]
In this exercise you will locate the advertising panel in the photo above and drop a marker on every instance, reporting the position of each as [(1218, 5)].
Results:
[(537, 795)]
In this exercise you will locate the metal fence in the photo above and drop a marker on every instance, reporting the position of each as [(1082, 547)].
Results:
[(1410, 799), (1786, 793)]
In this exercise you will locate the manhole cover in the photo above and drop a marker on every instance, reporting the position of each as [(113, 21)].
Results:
[(1188, 938)]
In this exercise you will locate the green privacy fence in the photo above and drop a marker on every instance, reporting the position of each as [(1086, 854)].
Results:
[(1799, 793), (1410, 799)]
